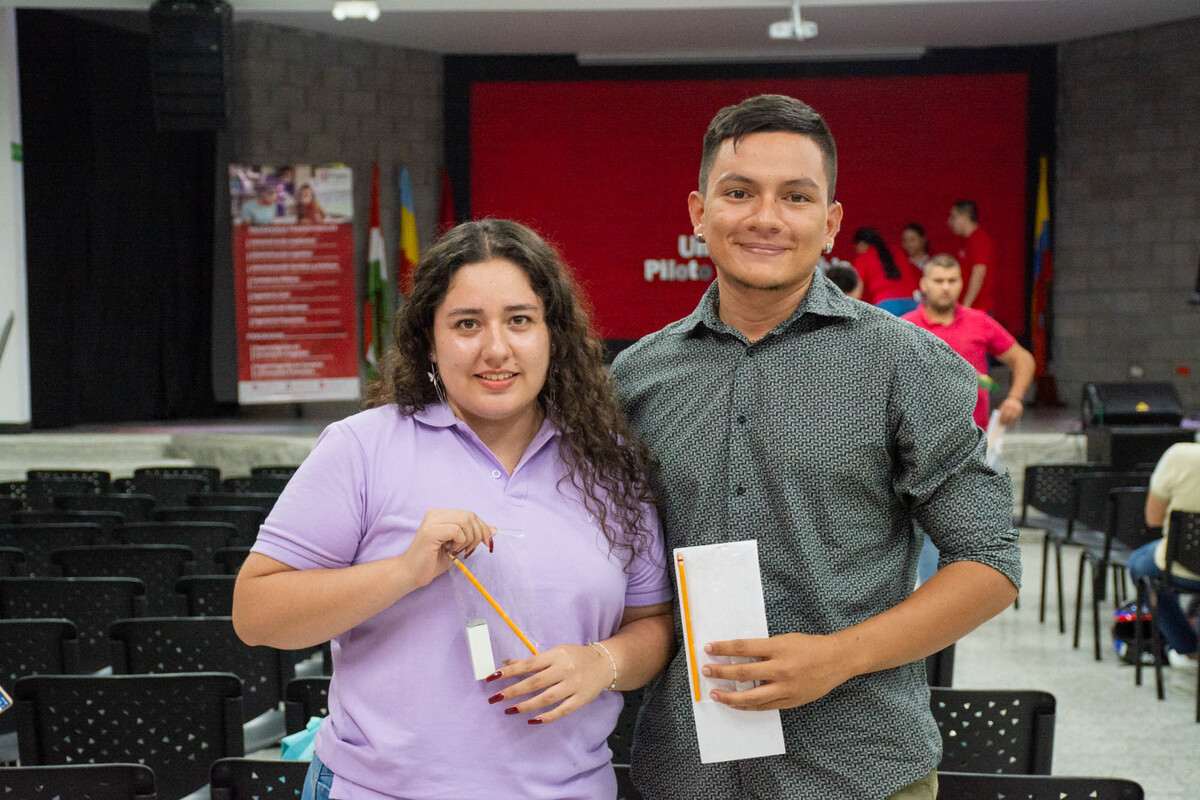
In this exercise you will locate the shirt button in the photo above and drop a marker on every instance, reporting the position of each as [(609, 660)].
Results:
[(739, 491), (741, 419), (496, 474)]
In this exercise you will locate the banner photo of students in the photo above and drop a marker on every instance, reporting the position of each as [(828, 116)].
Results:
[(293, 257)]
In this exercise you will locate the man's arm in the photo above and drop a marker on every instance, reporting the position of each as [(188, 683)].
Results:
[(1156, 510), (1021, 364), (974, 284)]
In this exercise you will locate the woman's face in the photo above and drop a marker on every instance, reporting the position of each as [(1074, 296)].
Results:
[(306, 195), (861, 247), (491, 344), (912, 242)]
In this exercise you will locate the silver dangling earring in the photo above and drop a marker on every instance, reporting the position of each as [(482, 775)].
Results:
[(828, 248), (700, 237), (435, 379)]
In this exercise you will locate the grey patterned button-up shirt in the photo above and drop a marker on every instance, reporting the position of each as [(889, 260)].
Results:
[(825, 440)]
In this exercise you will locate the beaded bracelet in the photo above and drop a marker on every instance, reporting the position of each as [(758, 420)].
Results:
[(612, 662)]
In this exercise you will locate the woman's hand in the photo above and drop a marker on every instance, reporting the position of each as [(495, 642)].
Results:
[(444, 531), (570, 675)]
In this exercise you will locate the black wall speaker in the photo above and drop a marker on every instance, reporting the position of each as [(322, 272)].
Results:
[(1131, 404), (191, 48)]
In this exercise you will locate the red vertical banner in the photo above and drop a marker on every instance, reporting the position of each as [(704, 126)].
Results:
[(293, 256)]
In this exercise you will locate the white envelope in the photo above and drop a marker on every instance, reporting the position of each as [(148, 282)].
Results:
[(724, 600)]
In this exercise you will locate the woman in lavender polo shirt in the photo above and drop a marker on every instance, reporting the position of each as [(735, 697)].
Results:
[(494, 427)]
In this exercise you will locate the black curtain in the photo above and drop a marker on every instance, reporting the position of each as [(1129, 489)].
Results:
[(119, 221)]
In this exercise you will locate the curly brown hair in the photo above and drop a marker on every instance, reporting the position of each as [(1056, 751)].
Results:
[(605, 460)]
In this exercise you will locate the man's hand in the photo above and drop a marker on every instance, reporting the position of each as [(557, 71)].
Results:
[(795, 668), (1011, 410)]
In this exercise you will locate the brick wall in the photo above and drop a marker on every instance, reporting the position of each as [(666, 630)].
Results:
[(1127, 210)]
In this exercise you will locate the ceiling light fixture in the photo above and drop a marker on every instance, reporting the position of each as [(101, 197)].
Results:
[(356, 9), (795, 28)]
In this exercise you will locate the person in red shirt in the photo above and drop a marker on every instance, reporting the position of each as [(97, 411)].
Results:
[(977, 255), (973, 335), (886, 283)]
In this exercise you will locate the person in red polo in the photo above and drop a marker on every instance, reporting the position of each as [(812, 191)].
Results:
[(977, 255), (973, 335)]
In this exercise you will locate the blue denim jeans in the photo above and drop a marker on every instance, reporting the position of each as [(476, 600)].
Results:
[(927, 564), (317, 782), (1168, 614)]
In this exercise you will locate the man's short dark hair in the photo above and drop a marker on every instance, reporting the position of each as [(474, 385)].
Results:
[(968, 207), (766, 113), (944, 261), (845, 278)]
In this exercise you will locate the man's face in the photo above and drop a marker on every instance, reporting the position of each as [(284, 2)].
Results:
[(941, 287), (266, 195), (765, 212), (959, 222)]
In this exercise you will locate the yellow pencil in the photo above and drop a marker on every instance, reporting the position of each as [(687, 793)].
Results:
[(687, 626), (492, 602)]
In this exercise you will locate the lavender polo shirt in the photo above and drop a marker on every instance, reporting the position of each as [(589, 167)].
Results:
[(407, 719)]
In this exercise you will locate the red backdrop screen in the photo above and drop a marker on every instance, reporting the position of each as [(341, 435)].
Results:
[(603, 169)]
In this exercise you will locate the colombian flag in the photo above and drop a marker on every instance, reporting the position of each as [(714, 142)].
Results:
[(410, 246), (1043, 270)]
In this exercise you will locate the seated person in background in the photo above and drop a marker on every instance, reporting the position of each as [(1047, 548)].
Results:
[(973, 335), (495, 424), (915, 244), (846, 279), (1174, 486), (886, 283)]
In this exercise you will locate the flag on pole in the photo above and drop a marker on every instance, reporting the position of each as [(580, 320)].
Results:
[(1043, 270), (410, 246), (375, 308)]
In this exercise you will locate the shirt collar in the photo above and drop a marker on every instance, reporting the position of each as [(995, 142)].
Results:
[(823, 299), (440, 415)]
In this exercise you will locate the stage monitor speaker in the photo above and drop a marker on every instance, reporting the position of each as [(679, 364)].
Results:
[(1130, 447), (1131, 404), (191, 47)]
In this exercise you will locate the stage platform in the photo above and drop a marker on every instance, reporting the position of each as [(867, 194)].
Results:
[(234, 446)]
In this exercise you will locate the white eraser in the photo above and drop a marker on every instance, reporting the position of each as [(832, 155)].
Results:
[(479, 642)]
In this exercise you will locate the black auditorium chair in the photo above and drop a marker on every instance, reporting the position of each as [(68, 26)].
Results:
[(12, 562), (169, 490), (107, 520), (242, 484), (32, 647), (939, 668), (1047, 491), (257, 779), (38, 541), (175, 724), (275, 470), (41, 485), (1183, 549), (994, 730), (198, 644), (83, 781), (231, 558), (91, 603), (305, 698), (968, 786), (1124, 531), (16, 492), (210, 475), (157, 566), (9, 506), (625, 788), (246, 519), (263, 500), (135, 507), (203, 538), (207, 595)]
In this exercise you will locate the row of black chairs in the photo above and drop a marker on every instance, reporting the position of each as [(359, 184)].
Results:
[(1101, 511)]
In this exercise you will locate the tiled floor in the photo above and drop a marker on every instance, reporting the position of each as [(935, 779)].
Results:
[(1106, 726)]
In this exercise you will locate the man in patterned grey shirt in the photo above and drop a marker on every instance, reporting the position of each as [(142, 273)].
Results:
[(780, 410)]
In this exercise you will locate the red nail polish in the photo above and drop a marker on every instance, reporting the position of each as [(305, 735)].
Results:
[(512, 710), (494, 676), (535, 721), (491, 545), (496, 698)]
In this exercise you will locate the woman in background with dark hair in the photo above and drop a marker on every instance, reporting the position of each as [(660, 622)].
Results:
[(915, 244), (886, 283), (494, 424)]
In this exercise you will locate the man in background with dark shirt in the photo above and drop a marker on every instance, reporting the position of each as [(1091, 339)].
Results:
[(781, 411), (977, 255)]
